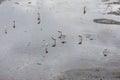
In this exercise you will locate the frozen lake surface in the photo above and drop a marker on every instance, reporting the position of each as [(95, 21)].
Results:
[(59, 40)]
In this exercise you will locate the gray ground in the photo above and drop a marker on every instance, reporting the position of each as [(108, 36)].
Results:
[(59, 40)]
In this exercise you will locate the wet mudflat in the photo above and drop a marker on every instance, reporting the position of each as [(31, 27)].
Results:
[(117, 13), (59, 40), (90, 74), (112, 8)]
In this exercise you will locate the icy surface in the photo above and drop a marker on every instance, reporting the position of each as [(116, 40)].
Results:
[(50, 39)]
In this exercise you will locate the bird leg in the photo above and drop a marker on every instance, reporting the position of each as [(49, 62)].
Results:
[(38, 18), (14, 24), (54, 42), (80, 37)]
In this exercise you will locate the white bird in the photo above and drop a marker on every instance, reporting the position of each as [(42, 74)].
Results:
[(61, 35), (105, 52)]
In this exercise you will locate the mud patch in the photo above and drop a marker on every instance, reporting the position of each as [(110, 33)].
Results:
[(90, 74), (117, 13), (106, 21), (117, 3), (1, 1), (105, 0)]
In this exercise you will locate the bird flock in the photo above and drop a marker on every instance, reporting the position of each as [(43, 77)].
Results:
[(61, 36)]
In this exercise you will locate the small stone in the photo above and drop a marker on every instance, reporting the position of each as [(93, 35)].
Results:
[(29, 2), (63, 42)]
